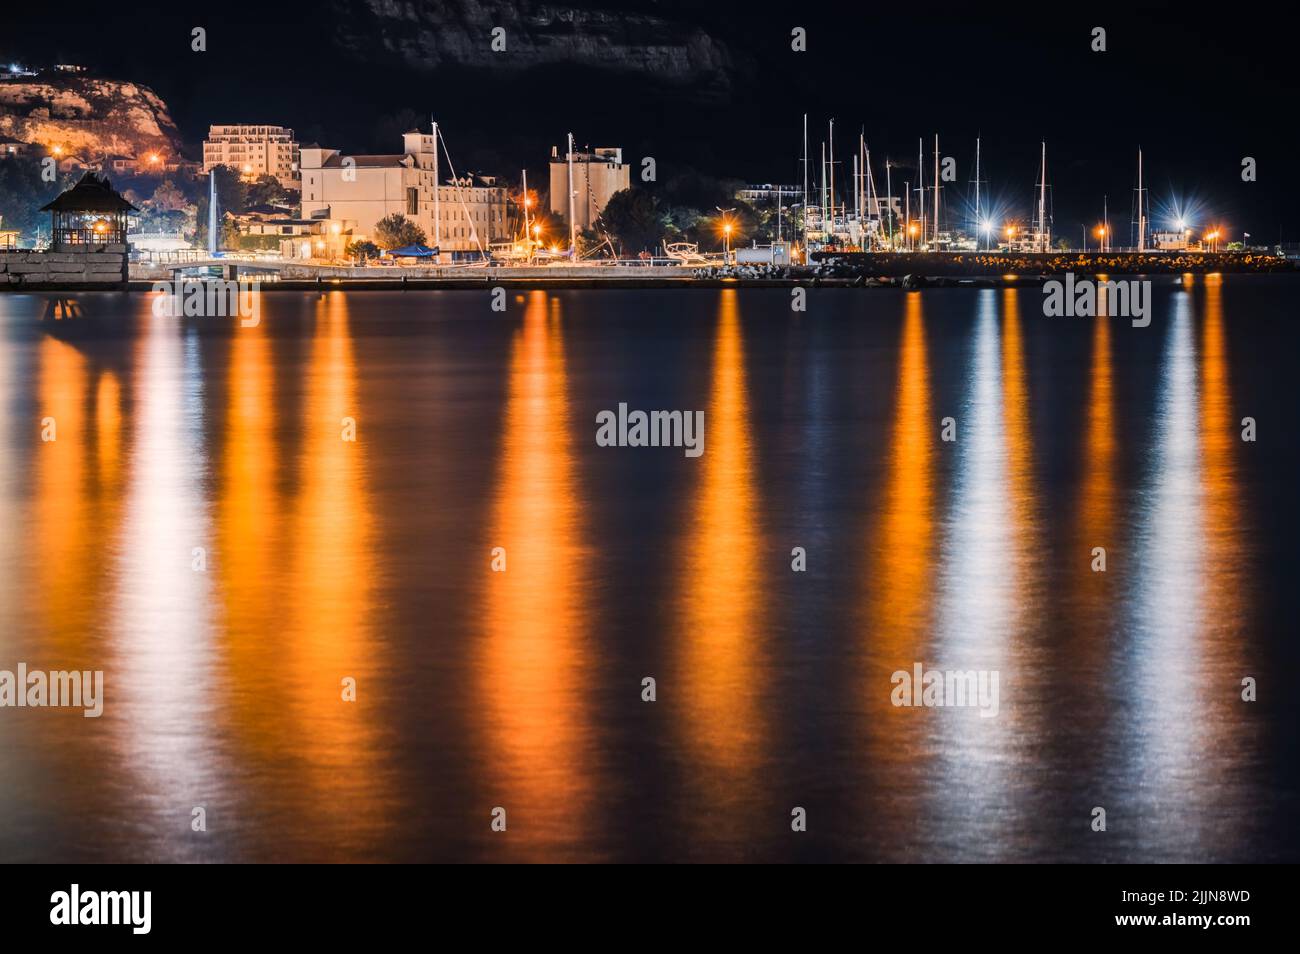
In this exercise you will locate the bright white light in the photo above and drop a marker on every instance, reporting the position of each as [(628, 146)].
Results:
[(986, 226)]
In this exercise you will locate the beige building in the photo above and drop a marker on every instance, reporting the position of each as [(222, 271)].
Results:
[(597, 175), (254, 151), (463, 215), (312, 239)]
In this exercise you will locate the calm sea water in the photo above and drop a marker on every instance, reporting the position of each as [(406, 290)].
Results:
[(328, 559)]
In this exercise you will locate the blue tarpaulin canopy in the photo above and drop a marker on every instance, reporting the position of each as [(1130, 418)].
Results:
[(412, 251)]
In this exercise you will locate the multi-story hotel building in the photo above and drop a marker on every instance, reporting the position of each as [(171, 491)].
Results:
[(254, 151), (461, 215), (597, 175)]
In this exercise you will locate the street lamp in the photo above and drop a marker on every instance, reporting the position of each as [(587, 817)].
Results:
[(726, 232), (1011, 233)]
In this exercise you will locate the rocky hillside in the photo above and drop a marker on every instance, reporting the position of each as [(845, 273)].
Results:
[(615, 35), (88, 117)]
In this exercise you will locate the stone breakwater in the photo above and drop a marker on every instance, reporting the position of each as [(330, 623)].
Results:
[(994, 264), (97, 266)]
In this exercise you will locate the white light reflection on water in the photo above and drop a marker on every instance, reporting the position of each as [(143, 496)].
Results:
[(160, 660)]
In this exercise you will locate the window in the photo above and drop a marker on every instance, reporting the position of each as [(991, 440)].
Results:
[(412, 201)]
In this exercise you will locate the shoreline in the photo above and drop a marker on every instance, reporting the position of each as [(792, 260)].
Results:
[(905, 283), (827, 270)]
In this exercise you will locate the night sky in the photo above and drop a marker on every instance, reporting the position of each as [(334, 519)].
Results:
[(1198, 91)]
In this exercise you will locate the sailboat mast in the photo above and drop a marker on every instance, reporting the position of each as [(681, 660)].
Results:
[(822, 194), (437, 206), (1142, 208), (889, 203), (527, 233), (920, 181), (857, 199), (573, 226), (831, 192), (907, 215), (863, 209), (936, 190), (1042, 204), (805, 180), (873, 200), (979, 219)]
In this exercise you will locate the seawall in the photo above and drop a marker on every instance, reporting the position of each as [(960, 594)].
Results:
[(993, 264), (87, 267)]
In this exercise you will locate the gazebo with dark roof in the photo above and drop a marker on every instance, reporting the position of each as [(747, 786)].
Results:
[(90, 213)]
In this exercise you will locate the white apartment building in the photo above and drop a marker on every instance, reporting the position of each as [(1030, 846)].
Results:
[(254, 151), (461, 215), (597, 175)]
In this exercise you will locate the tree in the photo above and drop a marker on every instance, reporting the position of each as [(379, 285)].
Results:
[(633, 219), (361, 250), (591, 244), (396, 230), (167, 198), (23, 190), (264, 190)]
